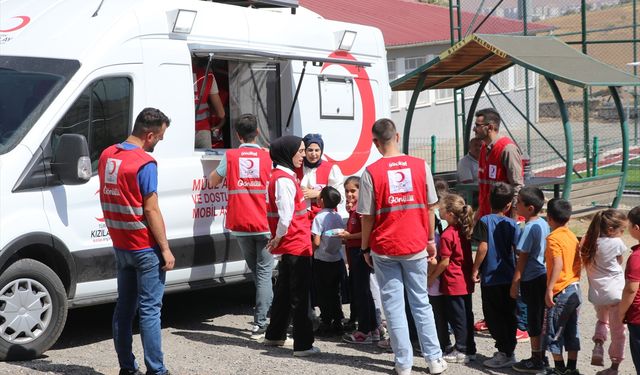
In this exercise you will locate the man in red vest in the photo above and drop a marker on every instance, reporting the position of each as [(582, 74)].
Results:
[(247, 170), (397, 199), (500, 159), (210, 98), (128, 194)]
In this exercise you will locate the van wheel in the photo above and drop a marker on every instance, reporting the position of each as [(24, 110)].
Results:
[(33, 310)]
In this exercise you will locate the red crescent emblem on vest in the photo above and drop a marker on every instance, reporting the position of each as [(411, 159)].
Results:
[(113, 167), (360, 154), (401, 176), (24, 20), (250, 164)]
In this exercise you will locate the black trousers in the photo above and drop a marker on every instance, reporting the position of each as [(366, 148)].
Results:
[(292, 297), (442, 325), (500, 315), (328, 276), (362, 298), (460, 314)]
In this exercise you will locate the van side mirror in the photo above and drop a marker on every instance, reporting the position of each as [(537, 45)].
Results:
[(71, 161)]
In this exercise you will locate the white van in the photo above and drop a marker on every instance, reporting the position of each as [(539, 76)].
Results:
[(74, 74)]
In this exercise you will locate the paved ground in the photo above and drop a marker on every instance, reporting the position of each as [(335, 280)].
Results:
[(205, 332)]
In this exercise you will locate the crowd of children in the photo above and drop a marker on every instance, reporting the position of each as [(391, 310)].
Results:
[(539, 260)]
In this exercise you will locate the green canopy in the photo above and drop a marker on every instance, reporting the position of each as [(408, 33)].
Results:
[(477, 56)]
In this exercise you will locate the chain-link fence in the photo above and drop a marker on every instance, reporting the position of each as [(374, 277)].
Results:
[(607, 31)]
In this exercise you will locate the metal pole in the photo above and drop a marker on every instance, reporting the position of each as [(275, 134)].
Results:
[(635, 69), (474, 104), (410, 110), (568, 137), (525, 18), (585, 91), (596, 151), (625, 144), (433, 153)]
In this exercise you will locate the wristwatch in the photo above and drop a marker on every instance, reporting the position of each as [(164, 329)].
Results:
[(366, 251)]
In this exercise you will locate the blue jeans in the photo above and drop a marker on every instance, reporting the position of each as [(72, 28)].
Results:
[(394, 275), (140, 287), (561, 321), (260, 262)]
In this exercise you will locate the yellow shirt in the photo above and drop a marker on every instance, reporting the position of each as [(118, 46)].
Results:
[(563, 243)]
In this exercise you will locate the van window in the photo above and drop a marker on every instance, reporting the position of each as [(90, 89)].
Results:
[(243, 87), (27, 86), (102, 113), (254, 87)]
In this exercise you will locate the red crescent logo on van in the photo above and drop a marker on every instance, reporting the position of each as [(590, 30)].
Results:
[(362, 150), (100, 219), (24, 20)]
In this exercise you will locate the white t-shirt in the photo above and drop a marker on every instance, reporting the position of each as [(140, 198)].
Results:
[(329, 249), (605, 274), (336, 180), (467, 169)]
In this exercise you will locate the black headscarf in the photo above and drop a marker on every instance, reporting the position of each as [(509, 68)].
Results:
[(317, 139), (283, 149)]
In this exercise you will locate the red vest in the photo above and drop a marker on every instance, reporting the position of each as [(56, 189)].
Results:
[(202, 114), (248, 170), (402, 214), (490, 171), (297, 241), (121, 198)]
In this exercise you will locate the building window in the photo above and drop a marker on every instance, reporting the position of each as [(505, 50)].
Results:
[(443, 95), (393, 74), (519, 78), (411, 64), (502, 80)]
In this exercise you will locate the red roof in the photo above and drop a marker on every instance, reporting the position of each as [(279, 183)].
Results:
[(406, 22)]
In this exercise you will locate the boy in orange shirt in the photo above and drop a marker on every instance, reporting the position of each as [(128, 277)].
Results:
[(563, 289)]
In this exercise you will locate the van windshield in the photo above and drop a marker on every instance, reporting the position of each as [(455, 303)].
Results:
[(27, 86)]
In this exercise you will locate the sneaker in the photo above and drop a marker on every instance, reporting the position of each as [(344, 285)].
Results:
[(349, 325), (480, 326), (403, 371), (608, 371), (306, 353), (522, 336), (257, 332), (357, 337), (530, 365), (500, 360), (386, 345), (553, 371), (597, 355), (437, 366), (337, 328), (129, 372), (287, 343), (324, 330), (456, 357)]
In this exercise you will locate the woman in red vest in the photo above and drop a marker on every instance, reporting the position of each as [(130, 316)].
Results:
[(317, 173), (290, 238)]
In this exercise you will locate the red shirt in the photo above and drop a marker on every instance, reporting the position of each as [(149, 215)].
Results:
[(632, 273), (456, 278), (354, 225)]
